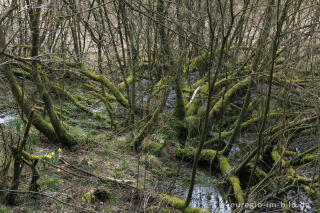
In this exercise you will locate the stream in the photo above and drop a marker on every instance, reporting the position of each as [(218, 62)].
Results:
[(6, 118), (206, 194)]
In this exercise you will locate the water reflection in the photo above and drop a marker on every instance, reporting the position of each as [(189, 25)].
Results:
[(4, 119), (205, 194)]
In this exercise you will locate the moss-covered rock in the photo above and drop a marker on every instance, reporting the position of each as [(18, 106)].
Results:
[(154, 148), (100, 194)]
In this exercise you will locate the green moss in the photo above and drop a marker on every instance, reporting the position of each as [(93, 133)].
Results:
[(236, 188), (201, 111), (29, 156), (129, 79), (234, 181), (276, 157), (216, 110), (44, 127), (98, 91), (291, 153), (75, 101), (198, 83), (151, 161), (88, 197), (192, 108), (197, 64), (158, 209), (193, 121), (106, 82), (179, 204), (308, 158), (224, 164), (194, 210), (207, 155), (314, 193), (179, 111), (136, 142), (244, 126), (280, 60), (187, 153), (100, 194), (154, 148)]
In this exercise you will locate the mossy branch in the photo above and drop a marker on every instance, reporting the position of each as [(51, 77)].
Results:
[(223, 101), (75, 101), (107, 83), (236, 130), (179, 204), (233, 180)]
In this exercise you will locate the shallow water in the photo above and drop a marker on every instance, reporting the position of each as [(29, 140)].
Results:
[(205, 194), (5, 118)]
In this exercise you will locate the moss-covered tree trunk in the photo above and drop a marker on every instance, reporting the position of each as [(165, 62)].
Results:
[(43, 126), (237, 129), (63, 136), (136, 142), (179, 111)]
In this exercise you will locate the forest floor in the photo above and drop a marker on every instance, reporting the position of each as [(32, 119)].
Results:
[(68, 178)]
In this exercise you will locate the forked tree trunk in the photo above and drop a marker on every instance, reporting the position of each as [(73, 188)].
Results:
[(43, 126), (62, 135)]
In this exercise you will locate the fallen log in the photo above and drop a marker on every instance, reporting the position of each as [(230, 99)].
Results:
[(208, 156), (179, 204)]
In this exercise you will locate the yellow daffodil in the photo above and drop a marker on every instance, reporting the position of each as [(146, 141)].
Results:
[(49, 156), (59, 150), (52, 153), (58, 170)]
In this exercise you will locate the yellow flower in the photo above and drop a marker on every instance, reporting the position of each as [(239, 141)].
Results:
[(52, 153), (58, 170), (49, 156), (59, 150)]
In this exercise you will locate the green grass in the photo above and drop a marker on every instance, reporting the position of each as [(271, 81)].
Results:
[(117, 173), (15, 124), (106, 149), (124, 165), (4, 209), (51, 182)]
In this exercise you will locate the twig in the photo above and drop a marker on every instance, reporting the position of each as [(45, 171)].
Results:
[(49, 196), (103, 179), (71, 173)]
